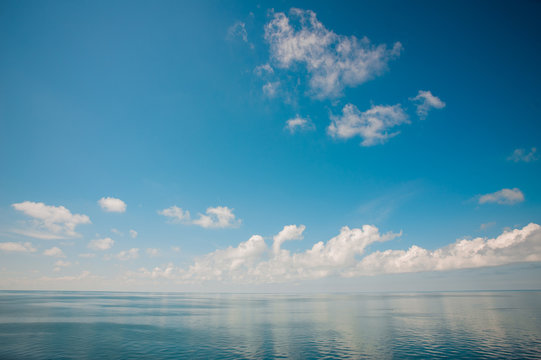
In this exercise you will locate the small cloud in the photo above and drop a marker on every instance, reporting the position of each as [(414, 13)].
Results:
[(61, 264), (503, 196), (50, 222), (238, 31), (54, 251), (133, 234), (153, 252), (487, 225), (128, 254), (425, 101), (117, 232), (17, 247), (176, 214), (87, 255), (110, 204), (270, 89), (175, 248), (298, 124), (521, 155), (217, 217), (372, 125), (214, 217), (101, 244), (263, 70)]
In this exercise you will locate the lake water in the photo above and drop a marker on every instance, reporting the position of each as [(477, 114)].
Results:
[(102, 325)]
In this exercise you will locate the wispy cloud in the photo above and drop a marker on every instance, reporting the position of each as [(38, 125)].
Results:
[(214, 217), (101, 244), (110, 204), (16, 247), (503, 196), (54, 252), (425, 102), (372, 125), (49, 222), (521, 155), (332, 61)]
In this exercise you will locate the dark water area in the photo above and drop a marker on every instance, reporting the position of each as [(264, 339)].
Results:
[(101, 325)]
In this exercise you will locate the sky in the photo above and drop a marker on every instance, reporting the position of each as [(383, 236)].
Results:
[(270, 146)]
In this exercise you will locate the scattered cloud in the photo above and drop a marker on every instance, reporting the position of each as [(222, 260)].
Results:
[(238, 31), (49, 222), (61, 264), (214, 217), (153, 252), (110, 204), (298, 124), (503, 196), (263, 70), (54, 251), (425, 102), (270, 89), (101, 244), (253, 261), (117, 232), (372, 125), (133, 234), (17, 247), (521, 155), (128, 254), (332, 61), (176, 214)]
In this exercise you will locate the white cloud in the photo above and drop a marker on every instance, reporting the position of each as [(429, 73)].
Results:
[(153, 252), (61, 264), (271, 88), (238, 31), (263, 70), (50, 222), (425, 101), (54, 251), (371, 125), (503, 196), (117, 232), (176, 214), (128, 254), (111, 204), (87, 255), (101, 244), (332, 61), (253, 261), (17, 247), (133, 234), (520, 155), (214, 217), (298, 123), (217, 217), (518, 245)]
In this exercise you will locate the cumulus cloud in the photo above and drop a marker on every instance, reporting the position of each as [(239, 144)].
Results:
[(271, 88), (521, 155), (101, 244), (54, 251), (332, 61), (133, 234), (16, 247), (345, 255), (372, 125), (49, 222), (128, 254), (111, 204), (298, 124), (214, 217), (503, 196), (425, 102)]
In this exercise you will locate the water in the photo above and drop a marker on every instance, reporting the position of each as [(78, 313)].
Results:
[(93, 325)]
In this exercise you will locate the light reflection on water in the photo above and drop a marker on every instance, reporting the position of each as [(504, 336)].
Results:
[(90, 325)]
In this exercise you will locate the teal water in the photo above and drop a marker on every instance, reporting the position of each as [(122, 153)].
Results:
[(94, 325)]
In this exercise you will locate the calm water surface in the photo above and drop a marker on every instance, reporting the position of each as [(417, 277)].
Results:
[(92, 325)]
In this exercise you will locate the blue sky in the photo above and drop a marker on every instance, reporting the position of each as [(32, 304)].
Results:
[(415, 125)]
